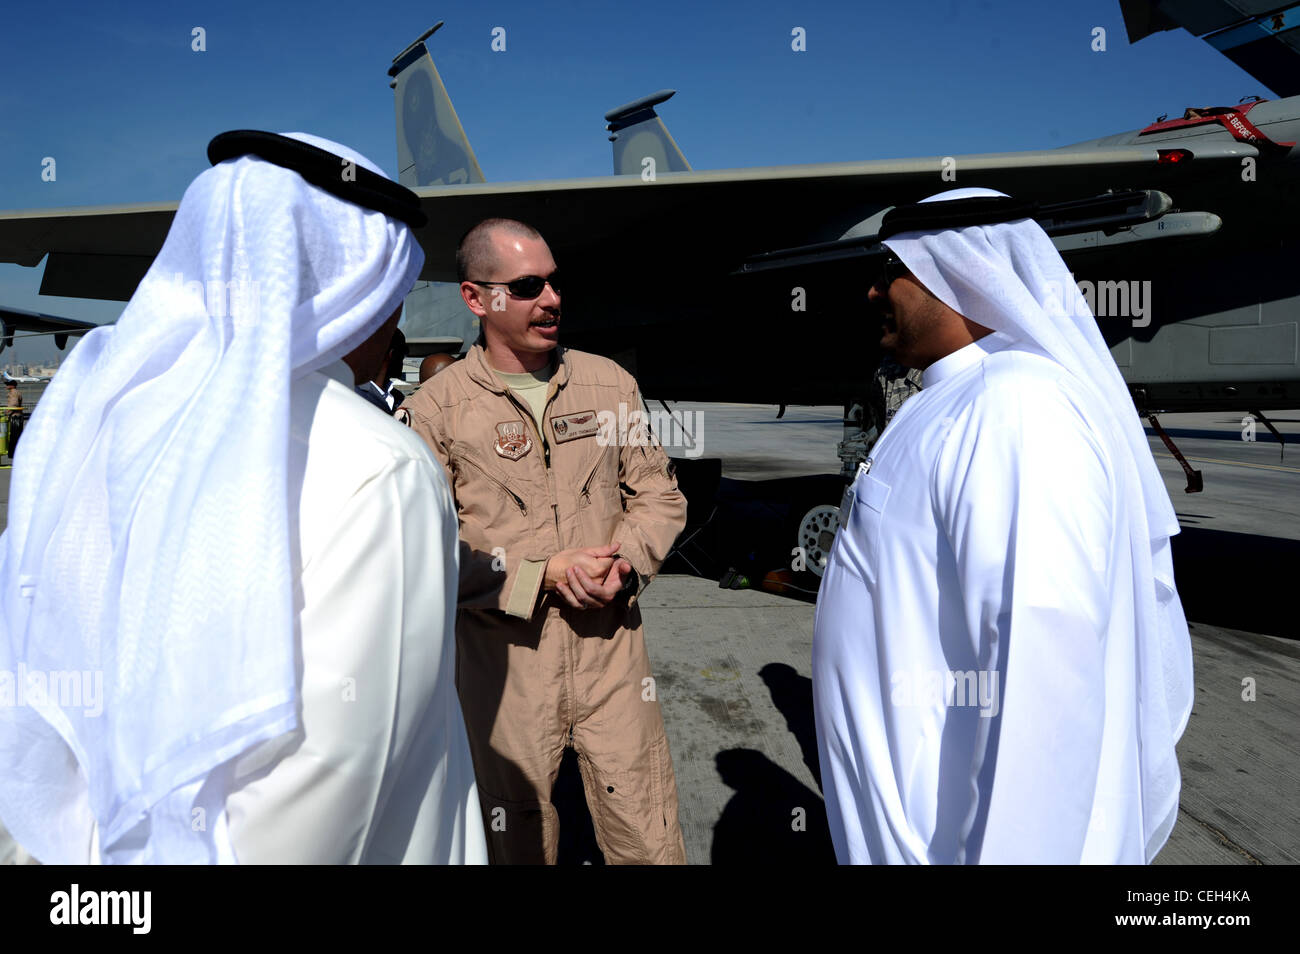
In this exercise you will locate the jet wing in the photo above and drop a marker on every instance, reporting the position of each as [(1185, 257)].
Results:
[(1260, 36), (708, 217), (730, 214), (12, 319), (96, 252)]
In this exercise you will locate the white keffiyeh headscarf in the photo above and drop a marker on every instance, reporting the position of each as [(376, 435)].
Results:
[(147, 561), (1009, 277)]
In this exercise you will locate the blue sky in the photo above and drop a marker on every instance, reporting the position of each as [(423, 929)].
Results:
[(117, 96)]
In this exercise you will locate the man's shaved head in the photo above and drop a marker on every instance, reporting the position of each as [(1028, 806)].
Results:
[(476, 256), (519, 333)]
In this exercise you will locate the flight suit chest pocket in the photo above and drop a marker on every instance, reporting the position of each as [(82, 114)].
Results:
[(482, 494), (859, 538), (599, 481), (597, 498)]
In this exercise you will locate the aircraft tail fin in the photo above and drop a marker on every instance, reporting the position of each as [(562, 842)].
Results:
[(432, 148), (1260, 36), (638, 135)]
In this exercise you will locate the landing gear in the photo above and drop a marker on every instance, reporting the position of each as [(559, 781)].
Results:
[(859, 437), (865, 419), (817, 536), (817, 529), (1195, 482), (1280, 439)]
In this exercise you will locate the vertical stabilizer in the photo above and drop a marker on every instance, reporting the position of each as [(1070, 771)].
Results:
[(639, 134), (432, 148)]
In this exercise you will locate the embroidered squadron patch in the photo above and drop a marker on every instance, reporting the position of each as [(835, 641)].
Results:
[(513, 440), (570, 427)]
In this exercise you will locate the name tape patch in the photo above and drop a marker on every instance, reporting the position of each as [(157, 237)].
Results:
[(570, 427)]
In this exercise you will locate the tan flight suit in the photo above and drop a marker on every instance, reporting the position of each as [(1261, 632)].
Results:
[(534, 674)]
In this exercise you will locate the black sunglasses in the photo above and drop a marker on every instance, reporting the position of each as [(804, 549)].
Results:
[(528, 287), (892, 269)]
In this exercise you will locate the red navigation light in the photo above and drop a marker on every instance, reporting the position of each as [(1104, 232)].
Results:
[(1168, 156)]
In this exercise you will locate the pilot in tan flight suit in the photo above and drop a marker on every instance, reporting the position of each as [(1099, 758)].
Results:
[(564, 518)]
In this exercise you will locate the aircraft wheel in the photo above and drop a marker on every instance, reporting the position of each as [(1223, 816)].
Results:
[(816, 534)]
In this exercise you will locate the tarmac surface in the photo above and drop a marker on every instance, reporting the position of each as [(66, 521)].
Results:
[(732, 666)]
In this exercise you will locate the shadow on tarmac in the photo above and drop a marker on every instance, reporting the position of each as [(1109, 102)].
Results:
[(1237, 580), (793, 697), (772, 819), (1262, 434)]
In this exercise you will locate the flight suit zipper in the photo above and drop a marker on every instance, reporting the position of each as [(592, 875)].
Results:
[(570, 660), (527, 414)]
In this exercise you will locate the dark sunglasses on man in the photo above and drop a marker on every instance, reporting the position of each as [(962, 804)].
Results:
[(892, 269), (527, 287)]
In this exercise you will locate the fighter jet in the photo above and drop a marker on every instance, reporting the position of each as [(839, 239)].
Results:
[(749, 284)]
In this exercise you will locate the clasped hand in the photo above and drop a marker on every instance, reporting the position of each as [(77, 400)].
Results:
[(587, 577)]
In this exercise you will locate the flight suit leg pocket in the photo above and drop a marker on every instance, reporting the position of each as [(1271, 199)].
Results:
[(619, 807), (635, 812), (664, 836), (520, 832)]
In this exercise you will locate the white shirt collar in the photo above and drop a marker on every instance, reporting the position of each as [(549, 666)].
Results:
[(961, 359)]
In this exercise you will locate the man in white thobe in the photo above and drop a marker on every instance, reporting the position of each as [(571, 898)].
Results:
[(381, 723), (251, 588), (1001, 666)]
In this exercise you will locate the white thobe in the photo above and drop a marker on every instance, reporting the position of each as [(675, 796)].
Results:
[(973, 660), (379, 770)]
